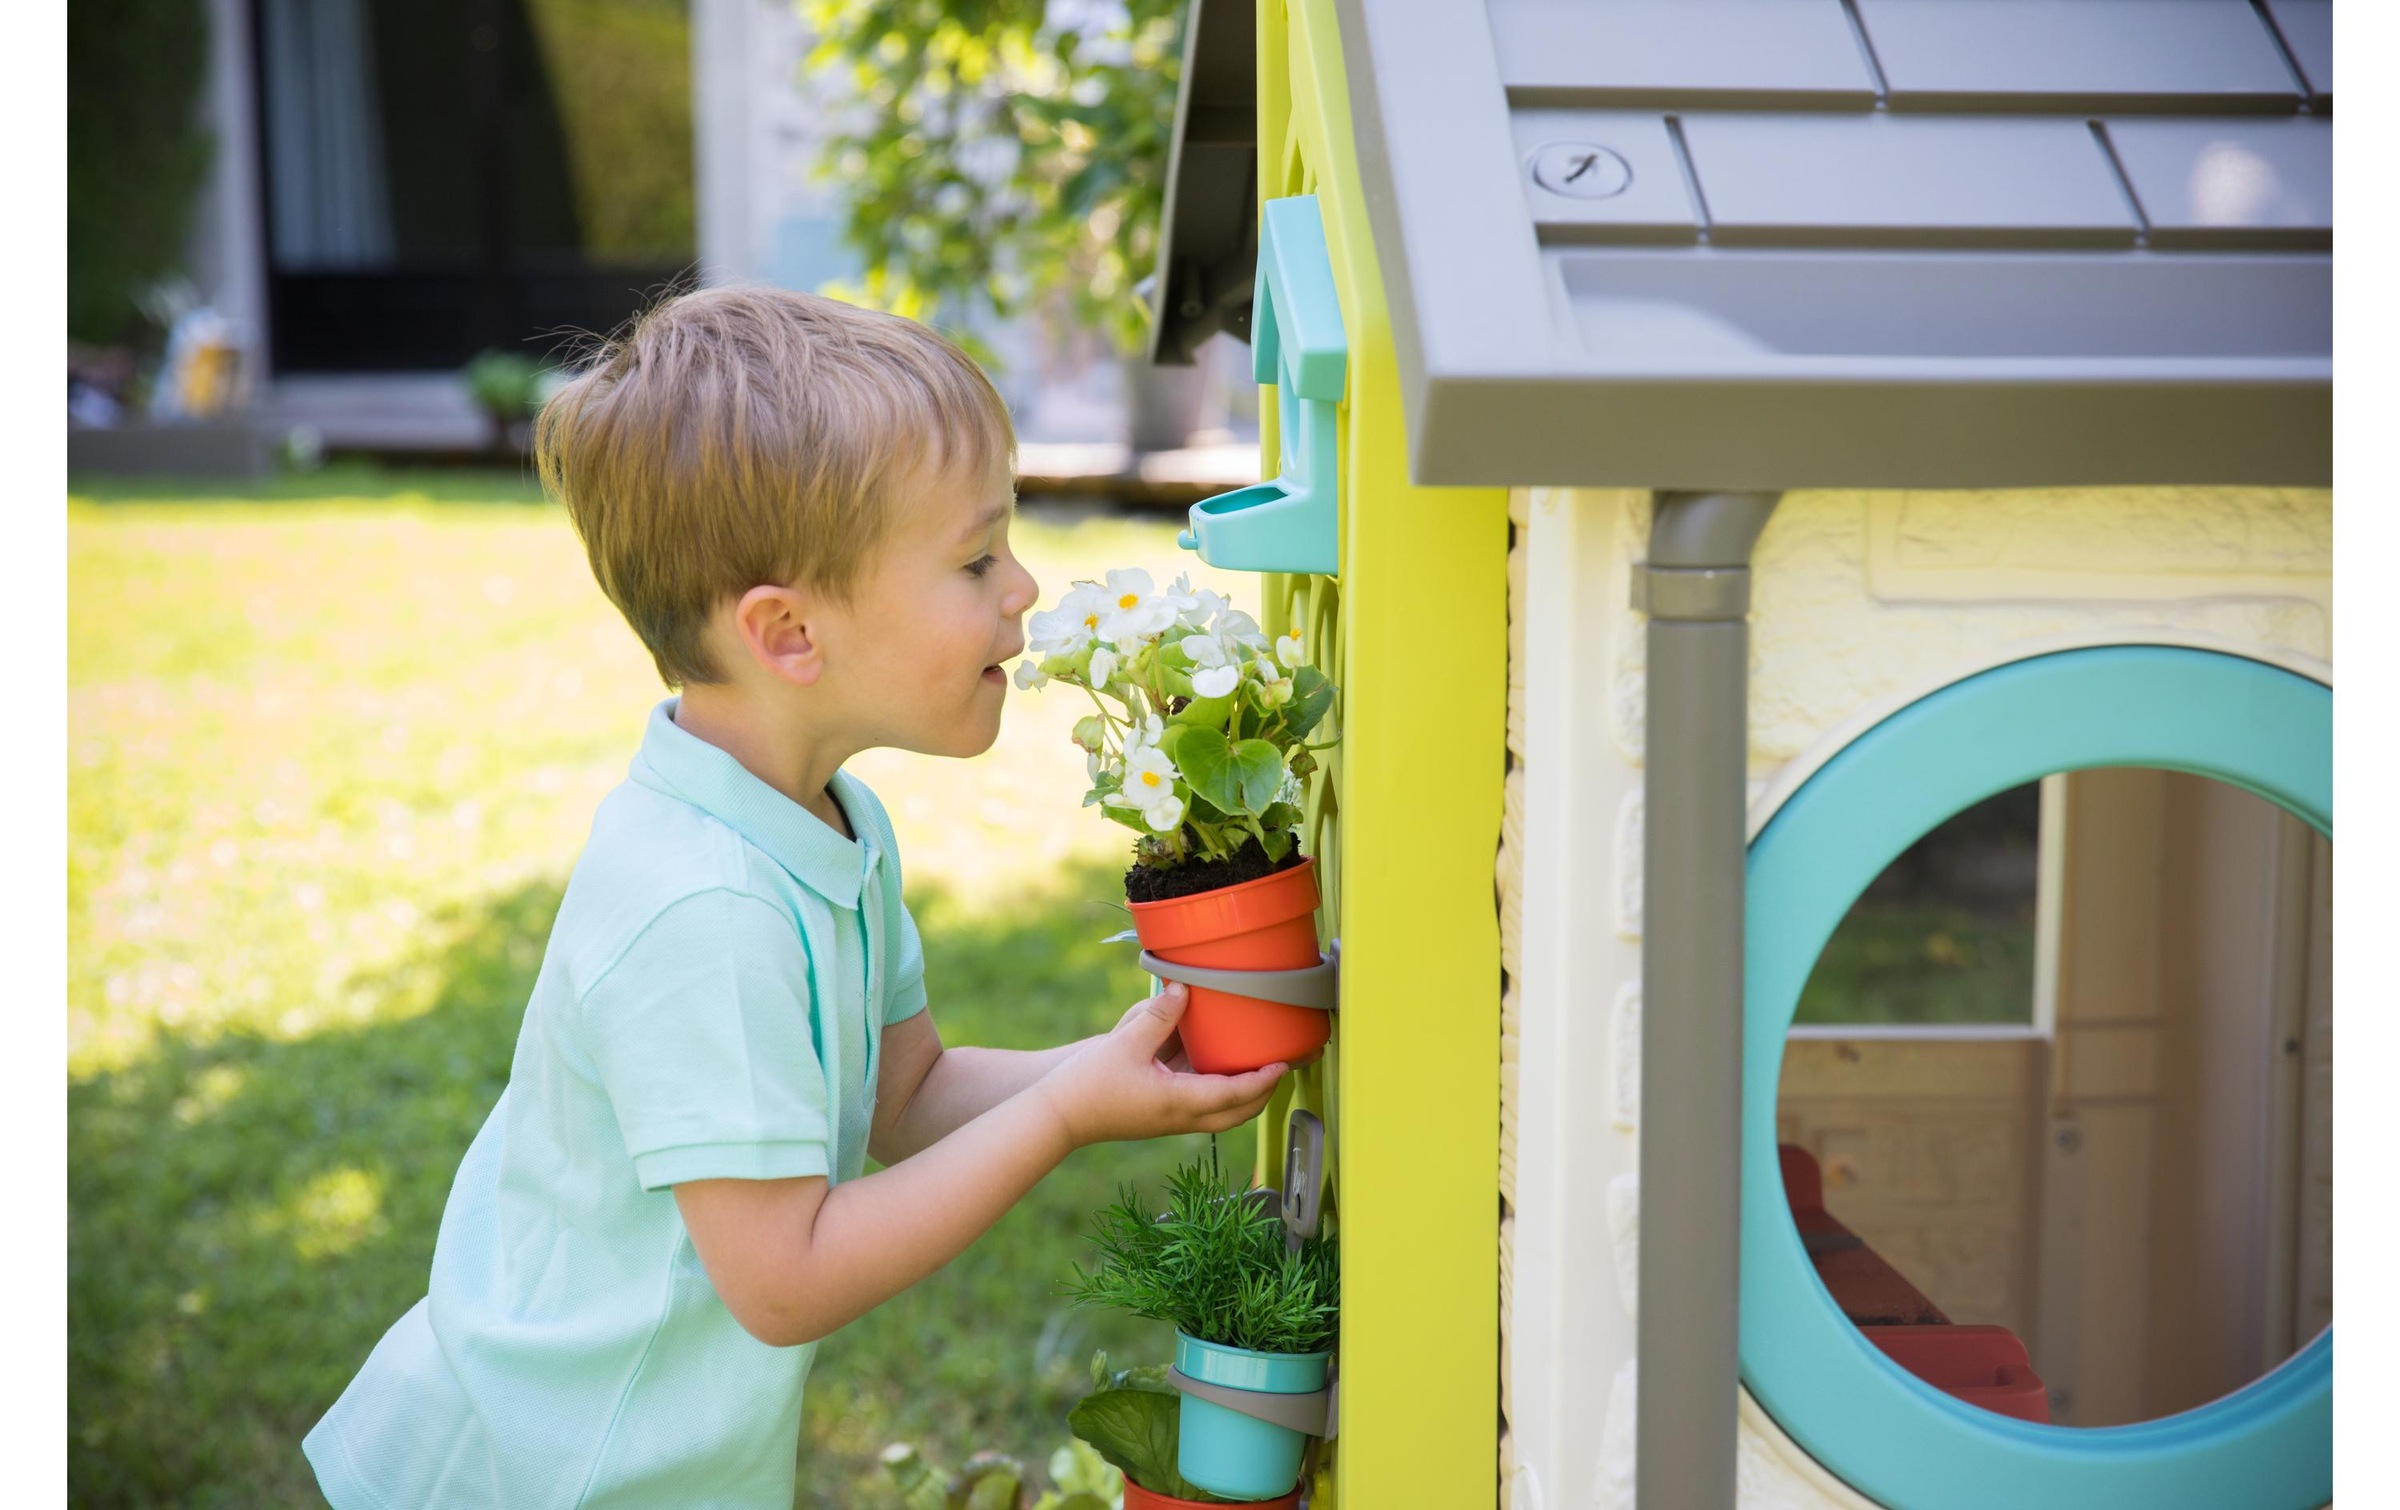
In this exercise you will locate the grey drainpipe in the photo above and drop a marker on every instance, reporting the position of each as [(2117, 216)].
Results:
[(1695, 761)]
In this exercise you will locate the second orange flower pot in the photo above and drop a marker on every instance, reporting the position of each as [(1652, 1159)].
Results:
[(1266, 924)]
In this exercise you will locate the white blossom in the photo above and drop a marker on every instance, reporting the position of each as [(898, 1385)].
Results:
[(1239, 628), (1290, 651), (1070, 626), (1132, 613), (1149, 787), (1030, 675)]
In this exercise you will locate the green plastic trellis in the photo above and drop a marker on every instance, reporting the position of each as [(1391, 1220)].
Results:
[(2269, 731)]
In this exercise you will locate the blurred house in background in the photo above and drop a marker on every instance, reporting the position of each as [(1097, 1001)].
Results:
[(401, 184)]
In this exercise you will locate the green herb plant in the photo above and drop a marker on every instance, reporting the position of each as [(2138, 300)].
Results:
[(1133, 1419), (1216, 1265)]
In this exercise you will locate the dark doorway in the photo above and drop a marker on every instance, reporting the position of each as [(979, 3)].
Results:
[(446, 176)]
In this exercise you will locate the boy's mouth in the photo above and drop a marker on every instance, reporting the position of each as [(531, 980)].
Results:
[(997, 671)]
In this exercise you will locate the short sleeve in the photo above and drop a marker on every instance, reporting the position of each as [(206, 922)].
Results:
[(702, 1037), (906, 998)]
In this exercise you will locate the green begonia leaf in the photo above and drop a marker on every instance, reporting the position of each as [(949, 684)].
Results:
[(1138, 1430), (1207, 763), (1312, 695), (1205, 712), (1277, 844), (1258, 765)]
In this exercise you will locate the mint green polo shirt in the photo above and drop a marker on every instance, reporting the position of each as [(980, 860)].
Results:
[(710, 1006)]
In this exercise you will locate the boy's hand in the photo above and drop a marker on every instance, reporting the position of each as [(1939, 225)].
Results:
[(1116, 1088)]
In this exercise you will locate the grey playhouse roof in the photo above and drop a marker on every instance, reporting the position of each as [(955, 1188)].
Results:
[(1794, 243)]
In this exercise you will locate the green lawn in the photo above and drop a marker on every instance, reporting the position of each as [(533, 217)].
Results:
[(333, 745)]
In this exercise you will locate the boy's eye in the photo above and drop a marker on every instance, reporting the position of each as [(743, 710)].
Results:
[(978, 567)]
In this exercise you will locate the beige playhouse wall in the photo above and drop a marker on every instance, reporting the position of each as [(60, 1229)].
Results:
[(1863, 603)]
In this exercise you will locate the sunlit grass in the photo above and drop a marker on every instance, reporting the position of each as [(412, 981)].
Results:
[(330, 761)]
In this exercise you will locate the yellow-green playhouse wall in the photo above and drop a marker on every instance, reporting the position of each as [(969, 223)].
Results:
[(1406, 824)]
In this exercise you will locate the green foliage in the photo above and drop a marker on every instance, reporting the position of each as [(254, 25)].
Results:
[(1000, 159), (135, 156), (1200, 738), (1909, 962), (619, 75), (506, 385), (1216, 1266), (1133, 1418), (996, 1481)]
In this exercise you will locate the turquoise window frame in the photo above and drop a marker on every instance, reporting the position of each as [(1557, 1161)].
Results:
[(2269, 731)]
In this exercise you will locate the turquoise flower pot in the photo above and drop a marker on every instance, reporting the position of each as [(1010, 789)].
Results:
[(1226, 1452)]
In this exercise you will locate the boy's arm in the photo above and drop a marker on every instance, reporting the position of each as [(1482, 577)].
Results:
[(925, 1092), (793, 1259)]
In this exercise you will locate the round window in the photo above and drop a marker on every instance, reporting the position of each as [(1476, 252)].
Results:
[(1952, 926)]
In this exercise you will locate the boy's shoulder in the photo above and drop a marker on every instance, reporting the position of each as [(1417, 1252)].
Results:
[(648, 851)]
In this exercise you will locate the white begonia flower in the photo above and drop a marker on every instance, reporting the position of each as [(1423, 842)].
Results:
[(1180, 597), (1207, 607), (1091, 767), (1072, 624), (1104, 665), (1237, 627), (1150, 787), (1214, 670), (1030, 676), (1132, 614), (1290, 651)]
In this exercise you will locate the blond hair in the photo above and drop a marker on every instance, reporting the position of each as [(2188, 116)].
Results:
[(740, 436)]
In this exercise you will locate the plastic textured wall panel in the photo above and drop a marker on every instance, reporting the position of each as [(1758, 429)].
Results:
[(1655, 52), (1798, 179), (2238, 181), (2076, 54)]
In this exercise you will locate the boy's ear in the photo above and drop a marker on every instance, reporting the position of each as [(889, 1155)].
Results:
[(774, 628)]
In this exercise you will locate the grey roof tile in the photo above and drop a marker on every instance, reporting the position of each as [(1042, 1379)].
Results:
[(1622, 53), (1895, 180), (1603, 175), (2230, 181), (2077, 55)]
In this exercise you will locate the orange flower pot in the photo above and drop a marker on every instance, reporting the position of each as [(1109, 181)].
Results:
[(1138, 1498), (1266, 924)]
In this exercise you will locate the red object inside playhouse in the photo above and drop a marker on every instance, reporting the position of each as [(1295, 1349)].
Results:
[(1985, 1366)]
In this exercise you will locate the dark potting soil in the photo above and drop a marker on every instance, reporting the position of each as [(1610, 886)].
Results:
[(1160, 883)]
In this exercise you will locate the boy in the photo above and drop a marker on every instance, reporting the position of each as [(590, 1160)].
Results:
[(802, 509)]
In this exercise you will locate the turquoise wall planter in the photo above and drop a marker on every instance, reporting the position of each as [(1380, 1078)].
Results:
[(1288, 523), (2268, 1446), (1226, 1452)]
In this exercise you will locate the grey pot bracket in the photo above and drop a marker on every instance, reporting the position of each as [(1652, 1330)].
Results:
[(1316, 987), (1316, 1414)]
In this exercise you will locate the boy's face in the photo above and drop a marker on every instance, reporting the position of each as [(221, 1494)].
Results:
[(919, 659)]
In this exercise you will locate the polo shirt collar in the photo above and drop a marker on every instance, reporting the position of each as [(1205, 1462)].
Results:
[(683, 765)]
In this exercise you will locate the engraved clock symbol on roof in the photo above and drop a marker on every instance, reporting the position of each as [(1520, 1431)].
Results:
[(1581, 170)]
